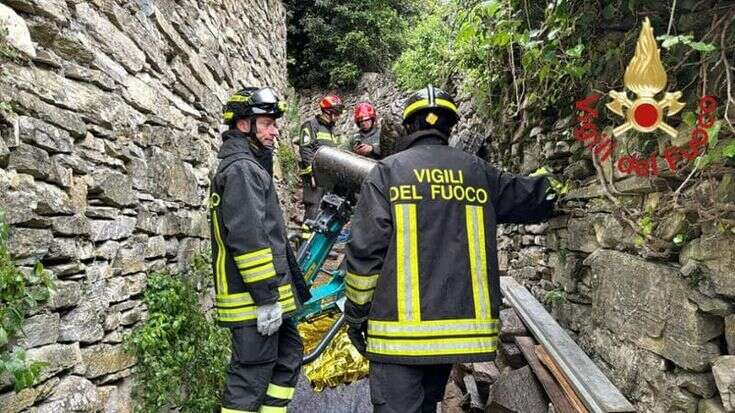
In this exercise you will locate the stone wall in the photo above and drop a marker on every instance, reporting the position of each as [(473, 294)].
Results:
[(377, 88), (655, 312), (109, 126)]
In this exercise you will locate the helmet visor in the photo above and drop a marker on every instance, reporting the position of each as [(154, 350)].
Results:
[(265, 102)]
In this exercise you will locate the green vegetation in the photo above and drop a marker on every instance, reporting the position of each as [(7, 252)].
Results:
[(7, 52), (20, 294), (533, 55), (525, 63), (555, 296), (427, 46), (331, 43), (286, 153), (181, 354)]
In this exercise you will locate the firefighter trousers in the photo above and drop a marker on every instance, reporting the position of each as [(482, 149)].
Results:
[(399, 388), (312, 197), (263, 370)]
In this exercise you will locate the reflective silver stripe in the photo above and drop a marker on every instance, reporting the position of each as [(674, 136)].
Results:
[(478, 261), (432, 347), (434, 327)]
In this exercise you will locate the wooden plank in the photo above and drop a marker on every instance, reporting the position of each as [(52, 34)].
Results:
[(561, 403), (593, 387), (576, 403)]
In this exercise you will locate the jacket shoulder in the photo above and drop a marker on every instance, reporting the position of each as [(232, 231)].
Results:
[(243, 167)]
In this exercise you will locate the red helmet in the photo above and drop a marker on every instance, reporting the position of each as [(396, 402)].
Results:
[(364, 111), (331, 103)]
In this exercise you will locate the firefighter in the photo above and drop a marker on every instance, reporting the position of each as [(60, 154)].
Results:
[(316, 132), (422, 270), (366, 141), (258, 284)]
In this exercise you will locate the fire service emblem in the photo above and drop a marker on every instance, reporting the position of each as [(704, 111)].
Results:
[(645, 76)]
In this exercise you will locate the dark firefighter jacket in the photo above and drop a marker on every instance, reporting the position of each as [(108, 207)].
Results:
[(314, 133), (371, 137), (252, 260), (422, 264)]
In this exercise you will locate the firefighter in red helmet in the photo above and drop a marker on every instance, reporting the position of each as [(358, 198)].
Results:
[(316, 132), (366, 141)]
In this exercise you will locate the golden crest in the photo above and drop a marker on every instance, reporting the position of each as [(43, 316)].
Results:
[(645, 76)]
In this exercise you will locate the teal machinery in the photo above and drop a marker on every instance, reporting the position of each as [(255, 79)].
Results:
[(341, 174)]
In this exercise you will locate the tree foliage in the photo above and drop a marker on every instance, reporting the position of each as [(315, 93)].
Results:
[(331, 43)]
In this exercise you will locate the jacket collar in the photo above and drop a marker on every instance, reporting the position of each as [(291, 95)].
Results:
[(323, 121), (235, 142), (423, 137)]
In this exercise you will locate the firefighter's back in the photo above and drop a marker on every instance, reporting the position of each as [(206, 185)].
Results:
[(433, 300)]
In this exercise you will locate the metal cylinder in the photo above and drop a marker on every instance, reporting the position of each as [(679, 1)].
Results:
[(339, 171)]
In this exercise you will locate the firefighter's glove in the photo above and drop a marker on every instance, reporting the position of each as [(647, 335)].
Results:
[(270, 317), (357, 332), (560, 188)]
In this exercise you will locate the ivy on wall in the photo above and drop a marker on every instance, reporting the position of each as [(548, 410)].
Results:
[(20, 294)]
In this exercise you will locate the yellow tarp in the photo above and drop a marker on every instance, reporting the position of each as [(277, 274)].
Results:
[(339, 363)]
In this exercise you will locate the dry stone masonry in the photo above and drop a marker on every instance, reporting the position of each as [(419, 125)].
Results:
[(109, 128), (659, 325)]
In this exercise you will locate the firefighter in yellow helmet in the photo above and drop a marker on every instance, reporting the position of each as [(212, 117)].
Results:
[(422, 270), (258, 283)]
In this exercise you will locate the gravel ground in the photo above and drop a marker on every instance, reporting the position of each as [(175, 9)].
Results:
[(353, 398)]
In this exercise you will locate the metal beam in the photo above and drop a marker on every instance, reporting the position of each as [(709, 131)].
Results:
[(594, 388)]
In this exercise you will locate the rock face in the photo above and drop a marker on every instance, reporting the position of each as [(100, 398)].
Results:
[(636, 304), (517, 391), (654, 314), (105, 161), (724, 371)]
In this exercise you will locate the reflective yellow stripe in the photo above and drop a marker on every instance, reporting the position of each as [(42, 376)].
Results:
[(250, 303), (325, 136), (280, 392), (236, 315), (221, 275), (358, 296), (432, 347), (436, 328), (363, 282), (245, 298), (250, 313), (271, 409), (226, 410), (241, 307), (407, 265), (306, 171), (253, 262), (250, 257), (474, 216), (260, 273), (425, 102), (238, 98)]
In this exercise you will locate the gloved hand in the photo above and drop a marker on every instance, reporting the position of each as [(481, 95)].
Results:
[(270, 317), (559, 187), (357, 333)]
